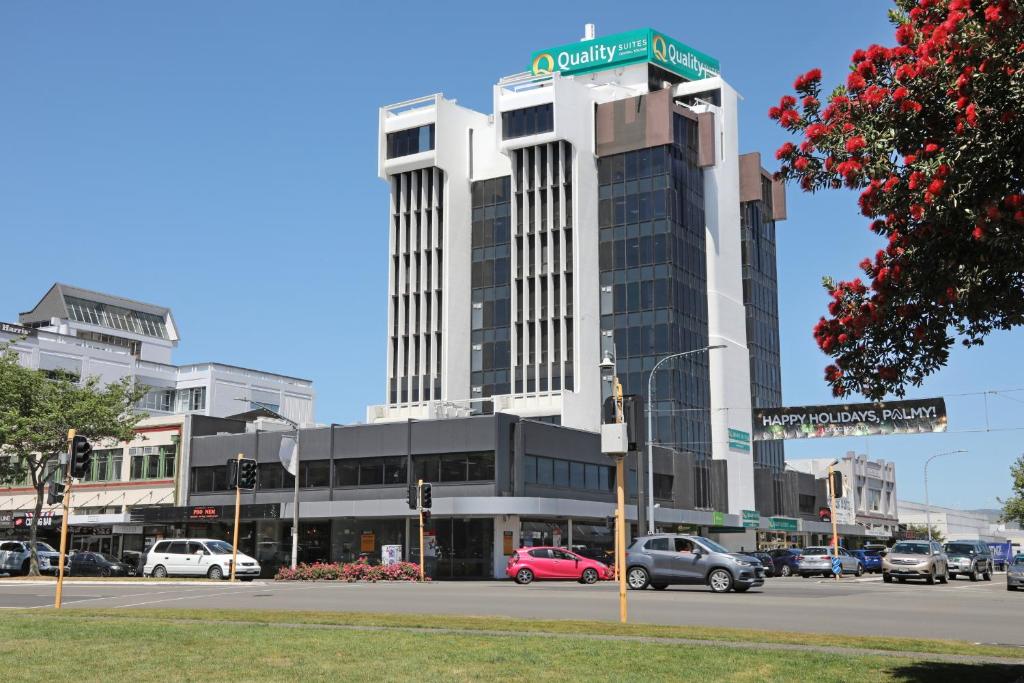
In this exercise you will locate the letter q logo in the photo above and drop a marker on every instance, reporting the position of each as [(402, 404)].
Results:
[(543, 63), (658, 47)]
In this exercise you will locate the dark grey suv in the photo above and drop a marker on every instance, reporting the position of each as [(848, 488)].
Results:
[(665, 559), (970, 558)]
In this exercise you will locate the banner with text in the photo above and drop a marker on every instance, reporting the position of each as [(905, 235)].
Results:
[(854, 419)]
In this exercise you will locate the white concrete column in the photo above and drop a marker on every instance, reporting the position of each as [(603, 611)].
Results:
[(503, 523)]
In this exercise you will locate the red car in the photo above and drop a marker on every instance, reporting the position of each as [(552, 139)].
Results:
[(527, 564)]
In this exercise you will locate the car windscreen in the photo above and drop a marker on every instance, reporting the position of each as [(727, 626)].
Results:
[(871, 553), (108, 558), (816, 551), (1018, 561), (959, 548), (711, 545), (910, 548), (44, 547), (219, 547)]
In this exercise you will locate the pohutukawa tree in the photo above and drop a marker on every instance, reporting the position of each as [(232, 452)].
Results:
[(931, 132)]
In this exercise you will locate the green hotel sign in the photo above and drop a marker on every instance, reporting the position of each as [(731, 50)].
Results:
[(623, 49), (782, 524)]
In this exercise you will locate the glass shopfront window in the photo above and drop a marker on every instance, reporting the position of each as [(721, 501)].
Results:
[(455, 467), (351, 538)]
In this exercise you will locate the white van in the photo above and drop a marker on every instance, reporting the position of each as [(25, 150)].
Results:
[(197, 557)]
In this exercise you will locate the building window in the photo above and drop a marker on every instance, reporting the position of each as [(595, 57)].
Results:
[(663, 486), (390, 471), (152, 462), (874, 499), (190, 400), (116, 318), (570, 474), (272, 407), (158, 400), (527, 121), (105, 465), (410, 141), (455, 467), (273, 475), (806, 504), (315, 474), (208, 479)]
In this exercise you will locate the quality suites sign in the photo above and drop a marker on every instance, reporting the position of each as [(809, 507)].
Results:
[(623, 49)]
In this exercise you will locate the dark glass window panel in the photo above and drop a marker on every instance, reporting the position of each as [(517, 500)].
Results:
[(317, 473), (481, 467), (562, 473), (394, 471), (545, 471)]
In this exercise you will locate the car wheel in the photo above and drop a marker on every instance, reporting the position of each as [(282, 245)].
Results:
[(659, 586), (638, 578), (987, 575), (952, 575), (975, 574), (944, 579), (159, 572), (930, 580), (589, 576), (720, 580), (215, 573), (886, 578), (860, 570), (785, 571), (25, 566), (524, 576), (105, 573)]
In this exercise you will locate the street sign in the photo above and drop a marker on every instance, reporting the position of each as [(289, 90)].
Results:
[(751, 519), (782, 524), (837, 566), (718, 518)]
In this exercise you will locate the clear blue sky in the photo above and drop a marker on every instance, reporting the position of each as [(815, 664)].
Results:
[(220, 159)]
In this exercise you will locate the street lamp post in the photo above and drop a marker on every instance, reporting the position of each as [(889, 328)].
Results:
[(927, 505), (608, 365), (650, 432)]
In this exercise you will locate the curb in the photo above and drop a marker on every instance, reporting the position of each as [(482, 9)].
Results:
[(157, 582)]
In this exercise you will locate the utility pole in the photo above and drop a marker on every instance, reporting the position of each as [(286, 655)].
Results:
[(835, 524), (238, 509), (64, 520)]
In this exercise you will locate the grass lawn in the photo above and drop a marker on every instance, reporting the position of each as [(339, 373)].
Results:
[(113, 645)]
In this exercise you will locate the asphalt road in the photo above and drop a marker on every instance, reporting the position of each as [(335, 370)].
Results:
[(977, 612)]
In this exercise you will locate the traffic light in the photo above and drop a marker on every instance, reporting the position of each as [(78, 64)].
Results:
[(636, 427), (426, 517), (425, 501), (837, 484), (824, 514), (247, 474), (232, 478), (55, 493), (410, 497), (81, 456)]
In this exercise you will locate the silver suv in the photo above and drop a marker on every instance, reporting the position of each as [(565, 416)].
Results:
[(665, 559), (971, 558), (15, 557)]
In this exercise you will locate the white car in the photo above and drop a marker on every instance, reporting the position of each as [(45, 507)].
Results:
[(197, 557)]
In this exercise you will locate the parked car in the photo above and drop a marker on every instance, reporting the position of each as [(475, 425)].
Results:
[(133, 560), (971, 558), (766, 561), (96, 564), (16, 556), (197, 557), (662, 560), (785, 561), (1015, 573), (817, 560), (545, 562), (915, 560), (869, 559)]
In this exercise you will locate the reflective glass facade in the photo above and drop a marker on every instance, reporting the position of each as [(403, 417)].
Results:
[(654, 282), (490, 361), (761, 298)]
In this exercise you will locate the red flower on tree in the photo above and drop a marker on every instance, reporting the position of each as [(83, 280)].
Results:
[(929, 132)]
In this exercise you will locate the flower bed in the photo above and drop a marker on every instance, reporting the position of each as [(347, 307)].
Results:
[(351, 571)]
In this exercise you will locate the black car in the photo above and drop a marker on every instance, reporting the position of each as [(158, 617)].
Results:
[(96, 564)]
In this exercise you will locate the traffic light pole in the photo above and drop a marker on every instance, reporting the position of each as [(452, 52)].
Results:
[(835, 524), (238, 509), (620, 508), (419, 507), (64, 520)]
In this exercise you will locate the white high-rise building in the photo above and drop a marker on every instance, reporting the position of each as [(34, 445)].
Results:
[(603, 208)]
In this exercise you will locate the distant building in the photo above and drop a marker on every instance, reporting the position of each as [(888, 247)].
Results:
[(952, 523), (872, 485), (82, 333)]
